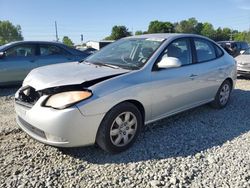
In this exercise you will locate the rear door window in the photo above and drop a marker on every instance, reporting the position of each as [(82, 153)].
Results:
[(204, 49), (219, 52), (48, 50)]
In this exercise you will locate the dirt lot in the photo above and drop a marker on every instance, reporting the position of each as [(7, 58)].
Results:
[(199, 148)]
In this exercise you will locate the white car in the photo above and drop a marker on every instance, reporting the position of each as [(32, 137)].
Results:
[(108, 98), (243, 63)]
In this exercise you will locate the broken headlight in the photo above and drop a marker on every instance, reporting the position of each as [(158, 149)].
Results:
[(66, 99)]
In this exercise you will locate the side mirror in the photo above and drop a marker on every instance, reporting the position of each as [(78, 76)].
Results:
[(2, 55), (169, 62)]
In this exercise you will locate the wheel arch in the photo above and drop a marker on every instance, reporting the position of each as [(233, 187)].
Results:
[(137, 104), (231, 81)]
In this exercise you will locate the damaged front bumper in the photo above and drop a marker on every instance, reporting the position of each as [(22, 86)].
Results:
[(63, 128)]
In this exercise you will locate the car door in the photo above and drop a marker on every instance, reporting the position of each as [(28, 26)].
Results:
[(208, 69), (173, 88), (53, 54), (17, 62)]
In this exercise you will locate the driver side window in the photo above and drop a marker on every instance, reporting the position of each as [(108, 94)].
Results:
[(24, 50), (180, 49)]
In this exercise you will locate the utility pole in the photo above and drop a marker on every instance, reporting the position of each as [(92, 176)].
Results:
[(57, 39), (82, 38), (249, 22)]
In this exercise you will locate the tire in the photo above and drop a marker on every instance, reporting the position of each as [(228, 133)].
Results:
[(224, 91), (119, 128)]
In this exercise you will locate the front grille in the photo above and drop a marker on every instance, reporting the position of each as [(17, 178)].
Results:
[(28, 96), (31, 128)]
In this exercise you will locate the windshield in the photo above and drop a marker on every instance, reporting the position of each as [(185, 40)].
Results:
[(129, 53), (4, 46), (1, 47)]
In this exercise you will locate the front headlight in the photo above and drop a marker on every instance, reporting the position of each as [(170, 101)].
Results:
[(66, 99)]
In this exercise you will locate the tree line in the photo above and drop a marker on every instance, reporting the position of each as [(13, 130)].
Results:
[(190, 25), (10, 32)]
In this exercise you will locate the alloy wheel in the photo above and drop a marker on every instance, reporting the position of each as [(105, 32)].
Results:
[(224, 94), (123, 129)]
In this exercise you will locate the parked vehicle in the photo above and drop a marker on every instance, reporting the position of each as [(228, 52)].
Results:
[(89, 50), (109, 97), (243, 63), (234, 48), (18, 58)]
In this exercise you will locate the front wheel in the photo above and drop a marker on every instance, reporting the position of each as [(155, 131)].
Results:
[(119, 128), (223, 95)]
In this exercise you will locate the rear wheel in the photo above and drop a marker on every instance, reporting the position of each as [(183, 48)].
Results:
[(119, 128), (223, 95)]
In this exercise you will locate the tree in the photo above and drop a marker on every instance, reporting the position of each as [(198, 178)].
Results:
[(9, 32), (199, 28), (226, 33), (242, 36), (138, 32), (208, 30), (67, 41), (188, 26), (160, 27), (118, 32), (222, 34)]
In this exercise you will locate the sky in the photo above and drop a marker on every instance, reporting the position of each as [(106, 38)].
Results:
[(94, 19)]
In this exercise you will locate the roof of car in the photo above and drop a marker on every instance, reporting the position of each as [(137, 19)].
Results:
[(19, 42), (30, 42), (230, 41), (165, 35)]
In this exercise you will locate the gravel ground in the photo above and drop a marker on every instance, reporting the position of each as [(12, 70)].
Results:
[(202, 147)]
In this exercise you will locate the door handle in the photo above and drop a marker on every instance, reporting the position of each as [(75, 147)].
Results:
[(32, 61), (192, 76)]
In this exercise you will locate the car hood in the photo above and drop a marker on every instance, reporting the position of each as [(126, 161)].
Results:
[(243, 58), (68, 74)]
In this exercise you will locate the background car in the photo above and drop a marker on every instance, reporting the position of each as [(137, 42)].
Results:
[(17, 59), (234, 48), (108, 98), (243, 63), (88, 50)]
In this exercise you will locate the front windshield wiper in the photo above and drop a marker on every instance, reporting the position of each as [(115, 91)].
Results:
[(106, 65), (99, 64)]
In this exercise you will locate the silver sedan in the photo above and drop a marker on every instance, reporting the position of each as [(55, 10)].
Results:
[(110, 96)]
